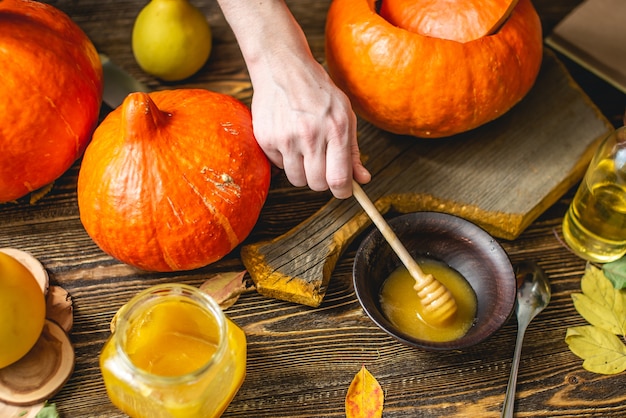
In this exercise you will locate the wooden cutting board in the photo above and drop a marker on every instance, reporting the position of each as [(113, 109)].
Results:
[(501, 176)]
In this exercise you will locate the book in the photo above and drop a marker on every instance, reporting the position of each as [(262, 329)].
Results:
[(594, 36)]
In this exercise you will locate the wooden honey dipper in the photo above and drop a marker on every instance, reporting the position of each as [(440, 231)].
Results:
[(439, 304)]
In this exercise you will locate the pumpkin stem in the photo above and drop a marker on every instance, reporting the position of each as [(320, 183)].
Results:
[(141, 115)]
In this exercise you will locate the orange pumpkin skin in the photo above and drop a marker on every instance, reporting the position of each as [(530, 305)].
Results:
[(408, 83), (173, 180), (51, 80)]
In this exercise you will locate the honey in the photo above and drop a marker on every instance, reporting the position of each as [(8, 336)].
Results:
[(172, 338), (173, 354), (402, 307)]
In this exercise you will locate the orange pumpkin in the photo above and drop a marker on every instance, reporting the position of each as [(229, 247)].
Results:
[(414, 83), (173, 180), (51, 80)]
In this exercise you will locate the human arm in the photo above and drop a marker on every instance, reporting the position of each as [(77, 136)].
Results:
[(302, 121)]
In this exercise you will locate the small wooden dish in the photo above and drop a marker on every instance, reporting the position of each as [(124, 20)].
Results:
[(460, 244)]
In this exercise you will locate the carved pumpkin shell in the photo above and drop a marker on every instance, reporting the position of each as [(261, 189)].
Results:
[(410, 83)]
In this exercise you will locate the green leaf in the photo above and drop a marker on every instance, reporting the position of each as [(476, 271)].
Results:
[(48, 411), (602, 351), (616, 273)]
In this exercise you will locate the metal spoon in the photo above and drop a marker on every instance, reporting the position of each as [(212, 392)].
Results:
[(533, 295)]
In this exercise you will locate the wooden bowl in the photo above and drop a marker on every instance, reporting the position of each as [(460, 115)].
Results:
[(460, 244)]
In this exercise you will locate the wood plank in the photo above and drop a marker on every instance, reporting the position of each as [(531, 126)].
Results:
[(301, 359)]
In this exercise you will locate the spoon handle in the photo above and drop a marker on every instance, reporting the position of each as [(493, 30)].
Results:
[(509, 400), (439, 304), (388, 234)]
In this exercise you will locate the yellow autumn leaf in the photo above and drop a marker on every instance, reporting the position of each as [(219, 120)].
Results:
[(604, 307), (600, 303), (602, 351), (365, 396)]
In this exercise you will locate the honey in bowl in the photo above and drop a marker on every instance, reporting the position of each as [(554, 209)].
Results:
[(402, 307)]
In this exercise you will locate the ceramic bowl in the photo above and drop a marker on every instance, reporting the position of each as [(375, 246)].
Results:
[(463, 246)]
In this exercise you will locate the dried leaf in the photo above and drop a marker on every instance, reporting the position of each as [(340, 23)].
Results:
[(616, 273), (365, 396), (604, 307), (600, 303), (602, 351), (36, 195), (59, 307), (226, 287)]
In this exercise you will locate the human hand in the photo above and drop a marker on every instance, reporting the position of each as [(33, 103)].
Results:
[(306, 126), (303, 122)]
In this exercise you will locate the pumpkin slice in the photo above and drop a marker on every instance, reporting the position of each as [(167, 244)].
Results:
[(32, 264), (455, 20), (58, 300), (42, 372), (412, 84)]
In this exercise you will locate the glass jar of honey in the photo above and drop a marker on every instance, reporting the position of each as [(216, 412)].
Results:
[(173, 353)]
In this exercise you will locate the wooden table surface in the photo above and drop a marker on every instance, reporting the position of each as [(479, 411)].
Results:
[(301, 360)]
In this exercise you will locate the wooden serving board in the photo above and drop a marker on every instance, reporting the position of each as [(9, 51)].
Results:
[(501, 176)]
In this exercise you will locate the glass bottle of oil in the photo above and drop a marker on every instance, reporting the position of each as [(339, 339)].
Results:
[(594, 226), (173, 353)]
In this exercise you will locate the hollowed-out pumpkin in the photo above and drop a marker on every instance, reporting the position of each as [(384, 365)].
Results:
[(413, 79), (51, 80), (173, 180)]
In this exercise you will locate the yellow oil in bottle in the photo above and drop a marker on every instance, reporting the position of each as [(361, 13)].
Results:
[(402, 307), (595, 224)]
